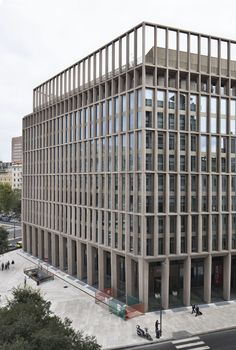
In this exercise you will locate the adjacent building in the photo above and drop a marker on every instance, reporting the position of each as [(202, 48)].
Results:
[(16, 178), (16, 150), (5, 173), (129, 177)]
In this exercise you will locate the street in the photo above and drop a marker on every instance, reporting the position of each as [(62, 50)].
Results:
[(14, 229), (223, 340)]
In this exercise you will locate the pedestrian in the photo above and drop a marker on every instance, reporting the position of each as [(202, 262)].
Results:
[(8, 264), (2, 266), (157, 329), (197, 311), (5, 266), (193, 308), (12, 262), (25, 281)]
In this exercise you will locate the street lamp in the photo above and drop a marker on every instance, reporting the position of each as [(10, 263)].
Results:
[(158, 296)]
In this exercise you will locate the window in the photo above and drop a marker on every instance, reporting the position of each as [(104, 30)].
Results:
[(160, 99), (172, 204), (171, 141), (160, 162), (182, 183), (160, 183), (204, 203), (203, 140), (148, 97), (193, 103), (182, 102), (172, 183), (182, 121), (182, 163), (160, 141), (171, 121), (160, 204), (182, 142), (193, 183), (171, 162), (171, 100), (193, 123), (160, 120), (193, 143)]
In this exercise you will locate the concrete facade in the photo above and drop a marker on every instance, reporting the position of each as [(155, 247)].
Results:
[(16, 150), (130, 168)]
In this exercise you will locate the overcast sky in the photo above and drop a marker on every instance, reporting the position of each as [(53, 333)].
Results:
[(39, 38)]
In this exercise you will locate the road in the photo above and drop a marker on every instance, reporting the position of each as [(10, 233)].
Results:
[(223, 340), (13, 229)]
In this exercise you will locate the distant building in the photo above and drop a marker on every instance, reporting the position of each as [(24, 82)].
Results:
[(5, 173), (16, 150), (16, 176)]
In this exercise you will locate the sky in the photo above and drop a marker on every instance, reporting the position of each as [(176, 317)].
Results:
[(40, 38)]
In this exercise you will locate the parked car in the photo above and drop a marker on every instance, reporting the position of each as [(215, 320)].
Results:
[(19, 244), (5, 218)]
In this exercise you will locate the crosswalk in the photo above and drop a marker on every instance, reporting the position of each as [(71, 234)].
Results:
[(194, 343)]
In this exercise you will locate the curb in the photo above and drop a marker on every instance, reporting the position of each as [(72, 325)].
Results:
[(156, 342)]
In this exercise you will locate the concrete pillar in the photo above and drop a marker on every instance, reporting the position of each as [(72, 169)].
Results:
[(56, 250), (34, 241), (61, 253), (40, 244), (71, 256), (143, 270), (128, 275), (28, 239), (80, 261), (53, 239), (101, 269), (45, 256), (187, 282), (24, 231), (207, 279), (227, 277), (114, 272), (90, 265), (165, 284)]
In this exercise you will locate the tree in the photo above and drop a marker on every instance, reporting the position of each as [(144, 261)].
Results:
[(16, 201), (27, 323), (10, 200), (5, 197), (3, 240)]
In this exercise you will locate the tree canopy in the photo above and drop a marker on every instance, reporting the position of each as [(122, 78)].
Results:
[(27, 323), (3, 240), (10, 200)]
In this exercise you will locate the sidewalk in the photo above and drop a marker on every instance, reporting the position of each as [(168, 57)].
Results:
[(74, 299)]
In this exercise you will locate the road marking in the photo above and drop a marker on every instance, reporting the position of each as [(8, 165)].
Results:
[(185, 340), (194, 343), (184, 346)]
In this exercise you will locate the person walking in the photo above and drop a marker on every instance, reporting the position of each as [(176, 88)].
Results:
[(157, 329), (2, 266), (193, 308), (197, 311)]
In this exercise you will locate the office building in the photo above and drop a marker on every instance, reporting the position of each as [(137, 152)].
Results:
[(16, 150), (130, 168)]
